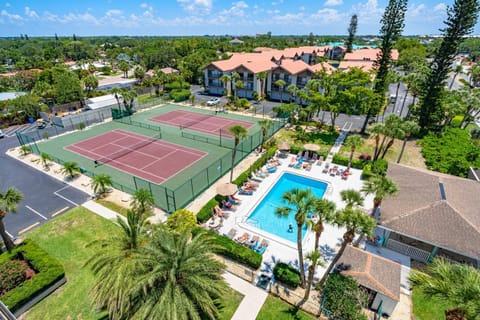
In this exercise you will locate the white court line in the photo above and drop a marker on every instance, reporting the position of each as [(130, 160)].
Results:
[(8, 233), (36, 212), (68, 200)]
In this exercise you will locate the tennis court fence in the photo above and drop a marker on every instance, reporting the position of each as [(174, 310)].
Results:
[(172, 199)]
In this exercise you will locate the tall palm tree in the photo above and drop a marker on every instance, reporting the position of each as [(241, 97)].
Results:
[(292, 89), (324, 213), (455, 283), (117, 93), (262, 76), (9, 201), (409, 127), (302, 202), (458, 69), (265, 124), (239, 85), (70, 169), (352, 198), (45, 158), (356, 222), (226, 79), (124, 66), (100, 183), (280, 84), (239, 133), (352, 142), (381, 187), (314, 258), (177, 277), (115, 267), (142, 201)]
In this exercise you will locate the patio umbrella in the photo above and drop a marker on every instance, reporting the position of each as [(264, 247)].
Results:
[(227, 189), (284, 146), (311, 147)]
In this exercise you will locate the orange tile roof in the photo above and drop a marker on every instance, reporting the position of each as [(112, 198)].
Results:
[(367, 54), (323, 65), (365, 65), (294, 67)]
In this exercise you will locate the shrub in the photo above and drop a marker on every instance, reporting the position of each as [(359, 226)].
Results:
[(343, 161), (367, 172), (234, 250), (12, 274), (180, 95), (286, 274), (343, 298), (81, 126), (243, 103), (380, 167), (176, 85), (181, 220), (49, 271)]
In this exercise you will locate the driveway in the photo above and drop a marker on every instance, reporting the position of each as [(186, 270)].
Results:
[(44, 197)]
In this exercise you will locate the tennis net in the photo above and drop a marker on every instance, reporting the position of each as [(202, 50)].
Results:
[(198, 120), (127, 150), (128, 120)]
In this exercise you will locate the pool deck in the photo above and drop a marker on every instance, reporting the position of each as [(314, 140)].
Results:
[(283, 250)]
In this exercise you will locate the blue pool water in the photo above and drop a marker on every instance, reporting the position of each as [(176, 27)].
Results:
[(264, 217)]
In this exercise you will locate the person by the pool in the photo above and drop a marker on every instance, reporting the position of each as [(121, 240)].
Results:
[(290, 228)]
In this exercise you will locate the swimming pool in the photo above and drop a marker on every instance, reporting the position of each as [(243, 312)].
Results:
[(264, 217)]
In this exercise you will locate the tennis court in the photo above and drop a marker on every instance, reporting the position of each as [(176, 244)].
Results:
[(145, 157), (205, 123)]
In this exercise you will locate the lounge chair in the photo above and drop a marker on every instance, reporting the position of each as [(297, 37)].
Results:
[(253, 243), (253, 183), (243, 238), (325, 170), (254, 177), (314, 158), (245, 192), (228, 206), (299, 164), (263, 246), (305, 156), (293, 161), (232, 233), (320, 161)]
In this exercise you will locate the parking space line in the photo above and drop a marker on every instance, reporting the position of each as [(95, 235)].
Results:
[(28, 228), (61, 189), (66, 199), (36, 212), (59, 211)]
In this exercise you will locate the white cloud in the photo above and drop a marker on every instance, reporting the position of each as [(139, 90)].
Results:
[(12, 17), (415, 11), (7, 4), (442, 7), (196, 6), (302, 8), (332, 3), (236, 9), (30, 13), (144, 5), (328, 16), (277, 3), (368, 11), (113, 12)]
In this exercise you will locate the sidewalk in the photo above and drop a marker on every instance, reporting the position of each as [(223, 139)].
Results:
[(253, 300)]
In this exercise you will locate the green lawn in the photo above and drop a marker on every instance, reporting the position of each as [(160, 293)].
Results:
[(66, 238), (324, 139), (277, 309), (426, 308), (113, 206)]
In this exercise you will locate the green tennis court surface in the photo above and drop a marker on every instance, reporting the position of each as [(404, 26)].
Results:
[(178, 184)]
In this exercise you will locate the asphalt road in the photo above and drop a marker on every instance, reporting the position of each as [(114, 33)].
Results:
[(44, 197)]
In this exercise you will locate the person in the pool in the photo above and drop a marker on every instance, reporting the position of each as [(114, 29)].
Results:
[(290, 228)]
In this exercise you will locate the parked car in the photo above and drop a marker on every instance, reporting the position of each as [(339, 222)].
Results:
[(213, 102), (1, 134), (41, 124)]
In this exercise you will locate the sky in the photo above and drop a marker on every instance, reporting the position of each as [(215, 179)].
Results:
[(210, 17)]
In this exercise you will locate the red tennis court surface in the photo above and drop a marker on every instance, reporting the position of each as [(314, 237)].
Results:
[(138, 155), (206, 123)]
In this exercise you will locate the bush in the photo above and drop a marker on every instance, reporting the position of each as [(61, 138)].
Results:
[(180, 95), (286, 274), (343, 161), (81, 126), (234, 250), (380, 167), (12, 274), (176, 85), (367, 172), (452, 152), (49, 271)]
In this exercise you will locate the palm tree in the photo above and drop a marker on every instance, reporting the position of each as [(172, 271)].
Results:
[(25, 150), (124, 66), (239, 133), (352, 142), (409, 127), (458, 69), (352, 198), (45, 158), (262, 76), (142, 201), (70, 169), (238, 86), (324, 213), (117, 94), (381, 187), (455, 283), (265, 124), (314, 258), (302, 201), (292, 89), (115, 268), (177, 277), (356, 222), (101, 183), (280, 84), (226, 79), (9, 201)]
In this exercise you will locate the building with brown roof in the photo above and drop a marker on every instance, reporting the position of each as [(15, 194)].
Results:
[(379, 276), (434, 214), (363, 58)]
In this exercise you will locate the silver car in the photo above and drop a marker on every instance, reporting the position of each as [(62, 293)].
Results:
[(2, 134)]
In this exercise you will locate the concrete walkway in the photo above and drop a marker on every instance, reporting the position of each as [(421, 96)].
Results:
[(101, 210), (253, 300)]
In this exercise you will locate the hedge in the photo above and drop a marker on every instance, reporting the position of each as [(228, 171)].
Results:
[(234, 250), (297, 149), (176, 85), (286, 274), (48, 268), (180, 95), (206, 212), (343, 161)]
